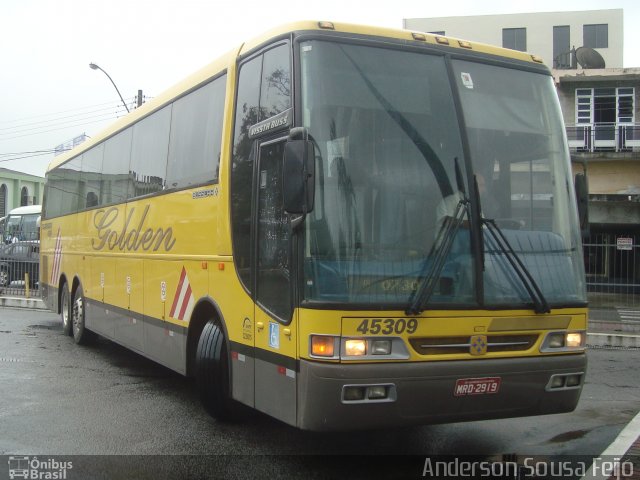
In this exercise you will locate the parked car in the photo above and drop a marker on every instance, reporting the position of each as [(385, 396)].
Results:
[(19, 258)]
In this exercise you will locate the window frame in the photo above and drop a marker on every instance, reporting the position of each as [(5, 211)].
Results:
[(595, 35), (516, 32)]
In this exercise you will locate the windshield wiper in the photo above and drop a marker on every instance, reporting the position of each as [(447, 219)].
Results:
[(540, 304), (441, 248)]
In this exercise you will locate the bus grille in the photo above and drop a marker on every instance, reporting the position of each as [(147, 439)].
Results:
[(461, 345)]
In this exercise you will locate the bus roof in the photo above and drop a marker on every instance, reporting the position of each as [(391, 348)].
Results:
[(219, 65), (26, 210), (395, 33)]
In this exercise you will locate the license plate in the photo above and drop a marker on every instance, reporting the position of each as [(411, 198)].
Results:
[(477, 386)]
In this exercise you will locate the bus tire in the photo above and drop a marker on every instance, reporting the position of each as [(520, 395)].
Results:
[(81, 335), (65, 310), (212, 373)]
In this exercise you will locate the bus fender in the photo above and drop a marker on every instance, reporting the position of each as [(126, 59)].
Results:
[(205, 309)]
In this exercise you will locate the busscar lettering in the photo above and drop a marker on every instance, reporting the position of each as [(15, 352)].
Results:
[(277, 121), (132, 238)]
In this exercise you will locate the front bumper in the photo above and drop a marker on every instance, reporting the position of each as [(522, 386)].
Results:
[(424, 391)]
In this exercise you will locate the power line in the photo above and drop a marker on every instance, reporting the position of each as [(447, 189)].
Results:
[(73, 122), (24, 153), (25, 156), (109, 108), (57, 113), (111, 117)]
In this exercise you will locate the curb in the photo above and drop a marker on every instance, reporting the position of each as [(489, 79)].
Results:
[(613, 340), (620, 448), (21, 302)]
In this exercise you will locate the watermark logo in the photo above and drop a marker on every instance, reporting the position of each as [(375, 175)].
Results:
[(613, 468), (38, 469)]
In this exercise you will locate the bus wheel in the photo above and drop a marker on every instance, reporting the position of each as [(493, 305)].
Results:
[(81, 335), (212, 373), (65, 310)]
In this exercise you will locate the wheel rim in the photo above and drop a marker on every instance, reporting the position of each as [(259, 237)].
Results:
[(4, 278), (78, 312), (65, 309)]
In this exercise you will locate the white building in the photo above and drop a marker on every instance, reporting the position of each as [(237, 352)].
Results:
[(18, 189), (550, 35)]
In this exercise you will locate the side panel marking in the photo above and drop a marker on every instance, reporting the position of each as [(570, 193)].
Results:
[(183, 299), (57, 260)]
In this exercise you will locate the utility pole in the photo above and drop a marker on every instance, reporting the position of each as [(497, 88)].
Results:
[(140, 98)]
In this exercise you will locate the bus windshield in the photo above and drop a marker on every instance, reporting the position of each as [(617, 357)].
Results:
[(391, 171)]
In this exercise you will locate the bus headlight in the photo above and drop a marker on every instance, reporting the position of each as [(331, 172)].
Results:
[(574, 340), (355, 347), (564, 341)]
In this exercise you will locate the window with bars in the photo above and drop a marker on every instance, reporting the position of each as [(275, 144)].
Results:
[(3, 200), (605, 105)]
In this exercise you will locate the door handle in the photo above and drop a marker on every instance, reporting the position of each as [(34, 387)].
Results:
[(259, 325)]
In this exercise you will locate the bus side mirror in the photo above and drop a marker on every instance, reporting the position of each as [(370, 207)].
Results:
[(582, 200), (298, 173)]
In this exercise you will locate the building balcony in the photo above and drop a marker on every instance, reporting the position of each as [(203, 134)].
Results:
[(604, 137)]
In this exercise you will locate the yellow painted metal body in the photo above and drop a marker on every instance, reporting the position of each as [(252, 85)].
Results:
[(158, 257)]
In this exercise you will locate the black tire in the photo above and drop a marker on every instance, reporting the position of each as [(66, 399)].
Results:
[(212, 374), (81, 335), (65, 310)]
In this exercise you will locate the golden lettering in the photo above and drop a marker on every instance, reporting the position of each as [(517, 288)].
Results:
[(132, 239)]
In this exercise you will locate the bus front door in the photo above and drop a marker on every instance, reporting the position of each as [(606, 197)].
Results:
[(275, 325)]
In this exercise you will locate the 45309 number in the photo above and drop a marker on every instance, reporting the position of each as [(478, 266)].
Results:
[(387, 326)]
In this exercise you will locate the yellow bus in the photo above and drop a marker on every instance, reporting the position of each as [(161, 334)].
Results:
[(344, 227)]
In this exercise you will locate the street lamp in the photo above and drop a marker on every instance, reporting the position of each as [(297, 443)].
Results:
[(93, 66)]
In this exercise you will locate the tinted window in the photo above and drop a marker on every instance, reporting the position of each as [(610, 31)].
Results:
[(275, 94), (274, 275), (70, 186), (196, 135), (247, 106), (149, 152), (90, 177), (53, 193), (115, 171)]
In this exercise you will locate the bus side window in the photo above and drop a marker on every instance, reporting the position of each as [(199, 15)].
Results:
[(247, 105)]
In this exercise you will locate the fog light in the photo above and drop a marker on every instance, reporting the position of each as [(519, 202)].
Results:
[(573, 380), (381, 347), (557, 382), (322, 346), (355, 347), (556, 340), (353, 393), (377, 392), (574, 340)]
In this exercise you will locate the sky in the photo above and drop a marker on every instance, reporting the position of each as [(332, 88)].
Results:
[(49, 95)]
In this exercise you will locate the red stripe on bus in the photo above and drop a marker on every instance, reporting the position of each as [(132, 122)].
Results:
[(183, 275)]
